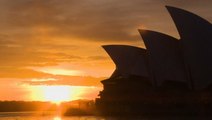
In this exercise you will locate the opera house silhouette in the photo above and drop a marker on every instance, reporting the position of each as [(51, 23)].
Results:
[(171, 76)]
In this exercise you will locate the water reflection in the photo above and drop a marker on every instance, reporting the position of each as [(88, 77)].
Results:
[(97, 118), (80, 118), (30, 116)]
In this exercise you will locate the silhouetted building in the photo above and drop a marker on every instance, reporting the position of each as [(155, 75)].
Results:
[(129, 80), (171, 76), (165, 57), (129, 60), (196, 37)]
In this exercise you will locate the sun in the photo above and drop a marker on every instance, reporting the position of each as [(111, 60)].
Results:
[(60, 93), (57, 94), (57, 118)]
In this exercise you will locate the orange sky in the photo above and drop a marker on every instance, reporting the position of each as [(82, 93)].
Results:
[(58, 42)]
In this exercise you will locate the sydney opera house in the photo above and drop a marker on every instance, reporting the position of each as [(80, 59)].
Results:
[(170, 76)]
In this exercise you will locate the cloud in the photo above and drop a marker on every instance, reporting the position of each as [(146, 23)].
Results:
[(12, 72), (97, 58), (85, 19), (93, 19), (50, 32), (66, 80), (68, 34)]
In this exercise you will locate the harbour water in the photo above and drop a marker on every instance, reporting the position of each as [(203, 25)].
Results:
[(41, 116), (50, 116)]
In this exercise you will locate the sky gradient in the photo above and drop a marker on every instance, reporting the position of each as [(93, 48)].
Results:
[(58, 42)]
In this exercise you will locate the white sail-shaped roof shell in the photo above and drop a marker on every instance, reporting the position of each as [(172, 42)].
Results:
[(129, 60), (196, 36), (165, 56)]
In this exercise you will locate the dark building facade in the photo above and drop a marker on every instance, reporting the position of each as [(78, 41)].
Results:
[(171, 76), (131, 78)]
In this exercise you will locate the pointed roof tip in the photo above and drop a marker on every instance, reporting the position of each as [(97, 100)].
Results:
[(179, 15), (147, 35), (107, 47), (143, 31), (120, 46), (173, 10), (168, 7), (172, 7), (104, 46), (111, 45), (150, 32)]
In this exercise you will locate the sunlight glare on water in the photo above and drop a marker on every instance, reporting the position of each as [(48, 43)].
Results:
[(29, 116), (51, 118)]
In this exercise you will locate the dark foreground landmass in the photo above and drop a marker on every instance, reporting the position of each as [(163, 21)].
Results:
[(71, 108), (20, 106)]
